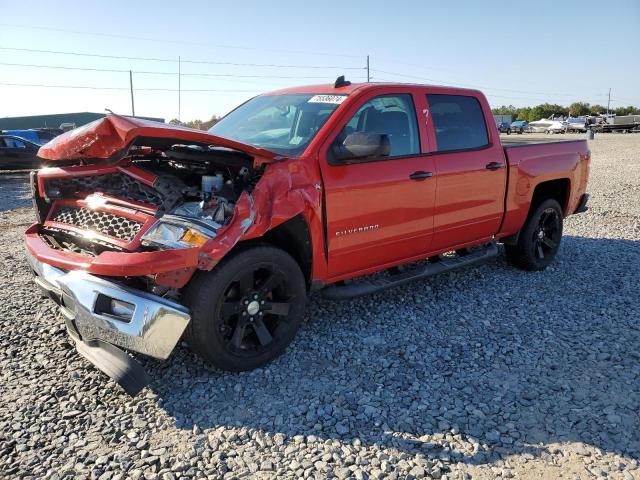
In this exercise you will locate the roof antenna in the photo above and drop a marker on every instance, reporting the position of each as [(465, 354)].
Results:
[(108, 110), (341, 82)]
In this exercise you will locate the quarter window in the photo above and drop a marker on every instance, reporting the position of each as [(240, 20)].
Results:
[(392, 115), (458, 122)]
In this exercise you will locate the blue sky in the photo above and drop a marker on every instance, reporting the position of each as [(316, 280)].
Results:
[(523, 54)]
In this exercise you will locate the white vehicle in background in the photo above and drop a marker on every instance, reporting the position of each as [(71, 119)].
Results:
[(547, 126), (576, 125)]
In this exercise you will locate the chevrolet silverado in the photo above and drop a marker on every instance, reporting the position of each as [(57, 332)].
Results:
[(148, 233)]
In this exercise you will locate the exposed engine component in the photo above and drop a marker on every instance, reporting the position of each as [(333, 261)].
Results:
[(217, 210), (194, 194)]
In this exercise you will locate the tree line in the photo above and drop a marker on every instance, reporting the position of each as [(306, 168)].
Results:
[(197, 124), (546, 110)]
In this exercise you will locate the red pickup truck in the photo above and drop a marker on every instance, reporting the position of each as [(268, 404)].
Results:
[(148, 231)]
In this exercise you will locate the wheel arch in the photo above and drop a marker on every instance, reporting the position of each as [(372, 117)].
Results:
[(558, 189), (293, 237)]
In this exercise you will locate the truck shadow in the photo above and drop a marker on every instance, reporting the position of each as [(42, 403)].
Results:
[(468, 367)]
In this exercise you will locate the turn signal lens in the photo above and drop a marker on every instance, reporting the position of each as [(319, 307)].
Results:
[(194, 238)]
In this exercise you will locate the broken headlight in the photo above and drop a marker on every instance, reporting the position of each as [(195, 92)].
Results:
[(175, 232)]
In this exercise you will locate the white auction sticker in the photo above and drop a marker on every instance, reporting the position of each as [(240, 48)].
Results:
[(335, 99)]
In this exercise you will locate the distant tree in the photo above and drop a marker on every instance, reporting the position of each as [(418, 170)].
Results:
[(597, 109), (546, 110), (197, 124), (210, 123), (523, 114), (626, 110), (577, 109), (505, 110)]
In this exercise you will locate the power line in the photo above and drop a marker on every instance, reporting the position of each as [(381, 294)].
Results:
[(173, 60), (468, 85), (184, 42), (229, 75), (88, 87), (61, 67)]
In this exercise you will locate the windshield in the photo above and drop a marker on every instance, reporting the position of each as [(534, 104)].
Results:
[(284, 124)]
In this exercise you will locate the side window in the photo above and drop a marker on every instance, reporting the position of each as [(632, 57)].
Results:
[(392, 115), (458, 122)]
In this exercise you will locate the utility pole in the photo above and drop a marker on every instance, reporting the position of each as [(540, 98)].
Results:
[(133, 108), (368, 75), (609, 102), (179, 92)]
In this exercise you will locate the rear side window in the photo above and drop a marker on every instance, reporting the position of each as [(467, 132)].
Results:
[(458, 122)]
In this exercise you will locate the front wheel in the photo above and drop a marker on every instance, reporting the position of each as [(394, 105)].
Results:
[(247, 310), (539, 239)]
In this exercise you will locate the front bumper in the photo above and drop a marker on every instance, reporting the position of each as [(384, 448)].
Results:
[(154, 327)]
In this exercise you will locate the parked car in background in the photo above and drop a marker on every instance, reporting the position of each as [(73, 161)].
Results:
[(576, 125), (504, 128), (17, 152), (39, 136), (547, 126), (519, 126), (48, 134)]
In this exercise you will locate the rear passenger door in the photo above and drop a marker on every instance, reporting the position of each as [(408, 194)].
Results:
[(470, 168)]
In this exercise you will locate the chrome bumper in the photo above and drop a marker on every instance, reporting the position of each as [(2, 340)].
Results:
[(155, 326)]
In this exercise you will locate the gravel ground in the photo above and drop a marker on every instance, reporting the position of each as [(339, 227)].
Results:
[(488, 372)]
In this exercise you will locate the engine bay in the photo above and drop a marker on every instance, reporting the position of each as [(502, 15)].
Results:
[(147, 201)]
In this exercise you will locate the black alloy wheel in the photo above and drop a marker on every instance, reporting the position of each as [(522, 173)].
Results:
[(546, 237), (247, 309), (254, 310), (539, 238)]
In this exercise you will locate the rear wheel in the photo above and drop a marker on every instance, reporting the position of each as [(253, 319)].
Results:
[(247, 310), (539, 239)]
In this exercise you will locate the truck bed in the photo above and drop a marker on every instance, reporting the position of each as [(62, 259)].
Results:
[(533, 161)]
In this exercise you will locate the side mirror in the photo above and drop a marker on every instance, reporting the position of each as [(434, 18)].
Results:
[(361, 145)]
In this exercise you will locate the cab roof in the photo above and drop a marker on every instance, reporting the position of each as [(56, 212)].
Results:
[(329, 88)]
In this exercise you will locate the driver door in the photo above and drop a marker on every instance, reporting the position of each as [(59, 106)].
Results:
[(379, 210)]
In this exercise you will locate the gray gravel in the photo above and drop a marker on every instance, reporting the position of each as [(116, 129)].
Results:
[(484, 373), (14, 190)]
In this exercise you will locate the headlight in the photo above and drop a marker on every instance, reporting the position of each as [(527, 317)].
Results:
[(175, 233)]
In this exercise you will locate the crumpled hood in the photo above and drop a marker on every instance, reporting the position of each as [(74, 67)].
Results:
[(107, 136)]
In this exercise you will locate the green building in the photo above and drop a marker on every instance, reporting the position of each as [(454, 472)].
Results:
[(55, 120)]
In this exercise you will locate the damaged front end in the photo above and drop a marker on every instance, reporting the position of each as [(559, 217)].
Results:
[(133, 210)]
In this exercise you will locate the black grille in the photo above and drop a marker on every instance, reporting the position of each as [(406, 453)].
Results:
[(101, 222), (115, 184)]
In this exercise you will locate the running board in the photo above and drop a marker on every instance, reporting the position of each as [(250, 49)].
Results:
[(443, 264)]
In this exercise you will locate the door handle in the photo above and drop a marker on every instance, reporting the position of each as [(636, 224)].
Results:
[(494, 165), (420, 175)]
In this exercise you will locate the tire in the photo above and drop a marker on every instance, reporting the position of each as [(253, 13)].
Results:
[(246, 311), (534, 250)]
